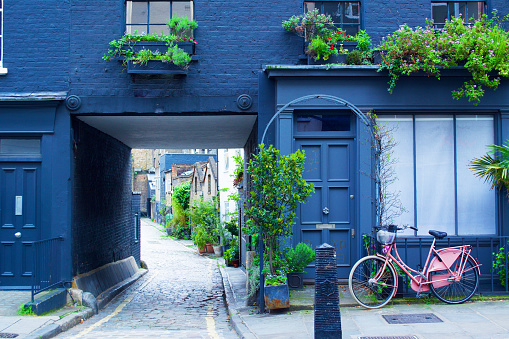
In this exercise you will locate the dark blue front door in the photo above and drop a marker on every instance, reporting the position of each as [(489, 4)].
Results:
[(328, 215), (19, 222)]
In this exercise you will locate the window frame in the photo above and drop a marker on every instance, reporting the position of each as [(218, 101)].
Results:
[(455, 116), (441, 24), (341, 24), (2, 40), (148, 23)]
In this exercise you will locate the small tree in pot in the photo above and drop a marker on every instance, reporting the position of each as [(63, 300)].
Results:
[(297, 259)]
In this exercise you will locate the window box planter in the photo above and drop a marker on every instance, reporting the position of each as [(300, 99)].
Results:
[(155, 67), (277, 296), (161, 46), (333, 59), (348, 45)]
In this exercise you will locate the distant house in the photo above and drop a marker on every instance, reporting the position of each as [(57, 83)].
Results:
[(204, 180)]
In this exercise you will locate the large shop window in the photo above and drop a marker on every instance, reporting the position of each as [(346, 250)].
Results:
[(148, 17), (436, 186), (345, 14), (445, 10)]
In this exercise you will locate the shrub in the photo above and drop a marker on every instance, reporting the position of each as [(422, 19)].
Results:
[(297, 259)]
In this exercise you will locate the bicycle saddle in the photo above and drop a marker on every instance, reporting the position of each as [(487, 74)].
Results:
[(438, 234)]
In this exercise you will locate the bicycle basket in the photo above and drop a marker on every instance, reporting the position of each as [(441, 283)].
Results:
[(386, 236)]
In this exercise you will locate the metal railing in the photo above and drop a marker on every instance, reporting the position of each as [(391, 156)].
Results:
[(47, 265), (487, 249)]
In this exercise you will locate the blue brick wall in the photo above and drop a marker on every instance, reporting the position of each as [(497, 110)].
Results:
[(103, 223), (36, 46)]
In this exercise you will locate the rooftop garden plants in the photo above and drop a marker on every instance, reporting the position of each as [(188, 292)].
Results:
[(172, 52), (482, 47)]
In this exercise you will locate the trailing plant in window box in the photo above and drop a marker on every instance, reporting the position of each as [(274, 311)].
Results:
[(483, 48), (171, 50)]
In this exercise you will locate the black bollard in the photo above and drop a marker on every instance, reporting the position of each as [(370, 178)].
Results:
[(327, 313)]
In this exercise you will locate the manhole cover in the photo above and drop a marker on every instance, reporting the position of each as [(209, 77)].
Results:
[(392, 337), (8, 335), (412, 318)]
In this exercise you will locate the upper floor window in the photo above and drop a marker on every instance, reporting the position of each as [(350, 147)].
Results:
[(345, 14), (150, 16), (445, 10)]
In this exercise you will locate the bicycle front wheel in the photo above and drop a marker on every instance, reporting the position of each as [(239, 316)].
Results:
[(451, 290), (371, 284)]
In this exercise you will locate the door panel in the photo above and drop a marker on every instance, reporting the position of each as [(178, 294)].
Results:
[(328, 215), (20, 191)]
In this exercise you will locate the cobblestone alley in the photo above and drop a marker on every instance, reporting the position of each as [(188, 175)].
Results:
[(180, 297)]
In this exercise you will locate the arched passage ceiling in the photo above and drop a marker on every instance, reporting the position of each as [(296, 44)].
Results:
[(159, 131)]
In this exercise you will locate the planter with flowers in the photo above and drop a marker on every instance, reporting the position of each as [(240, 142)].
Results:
[(481, 47), (157, 54), (325, 42)]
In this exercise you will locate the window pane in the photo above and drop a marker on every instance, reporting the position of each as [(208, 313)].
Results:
[(334, 10), (160, 12), (323, 123), (182, 8), (456, 9), (435, 174), (439, 12), (309, 6), (402, 131), (476, 202), (351, 13), (159, 29), (20, 146), (474, 10), (140, 29), (137, 12)]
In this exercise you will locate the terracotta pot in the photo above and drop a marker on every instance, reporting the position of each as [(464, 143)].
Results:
[(235, 262), (202, 250), (210, 248)]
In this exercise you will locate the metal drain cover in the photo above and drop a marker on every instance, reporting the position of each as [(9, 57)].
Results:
[(8, 335), (392, 337), (412, 318)]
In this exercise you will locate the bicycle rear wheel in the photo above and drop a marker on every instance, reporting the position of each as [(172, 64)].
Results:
[(369, 286), (454, 291)]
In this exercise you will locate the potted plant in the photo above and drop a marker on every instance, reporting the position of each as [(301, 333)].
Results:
[(231, 256), (297, 259), (325, 42), (154, 53), (278, 188), (276, 292), (201, 238)]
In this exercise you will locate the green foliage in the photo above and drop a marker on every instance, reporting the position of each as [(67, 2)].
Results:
[(232, 252), (254, 279), (232, 226), (320, 33), (494, 166), (181, 194), (278, 188), (238, 172), (25, 310), (164, 211), (276, 279), (201, 236), (297, 259), (180, 30), (483, 46), (204, 215), (181, 232), (354, 58), (499, 264)]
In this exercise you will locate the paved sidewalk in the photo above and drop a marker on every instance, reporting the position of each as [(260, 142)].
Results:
[(469, 320)]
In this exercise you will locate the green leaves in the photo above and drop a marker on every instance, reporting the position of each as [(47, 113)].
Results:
[(494, 169), (278, 188)]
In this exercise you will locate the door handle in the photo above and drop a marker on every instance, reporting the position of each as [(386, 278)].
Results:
[(325, 211), (17, 235)]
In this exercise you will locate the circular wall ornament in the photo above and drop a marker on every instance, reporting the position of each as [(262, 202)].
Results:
[(244, 101), (73, 102)]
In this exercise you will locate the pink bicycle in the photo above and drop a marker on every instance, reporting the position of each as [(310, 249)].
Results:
[(451, 273)]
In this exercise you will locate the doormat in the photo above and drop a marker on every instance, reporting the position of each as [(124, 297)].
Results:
[(412, 318), (8, 335), (392, 337)]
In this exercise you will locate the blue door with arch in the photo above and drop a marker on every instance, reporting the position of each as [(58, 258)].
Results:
[(329, 214)]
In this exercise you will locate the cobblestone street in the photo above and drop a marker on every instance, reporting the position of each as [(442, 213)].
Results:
[(180, 297)]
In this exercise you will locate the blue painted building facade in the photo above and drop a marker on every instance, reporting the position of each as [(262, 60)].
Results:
[(68, 121)]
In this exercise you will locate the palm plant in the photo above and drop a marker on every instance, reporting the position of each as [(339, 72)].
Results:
[(493, 166)]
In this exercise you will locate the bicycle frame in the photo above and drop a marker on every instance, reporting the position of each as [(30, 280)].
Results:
[(442, 261)]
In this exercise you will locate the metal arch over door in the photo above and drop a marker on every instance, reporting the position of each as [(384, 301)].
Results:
[(20, 190), (329, 214)]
